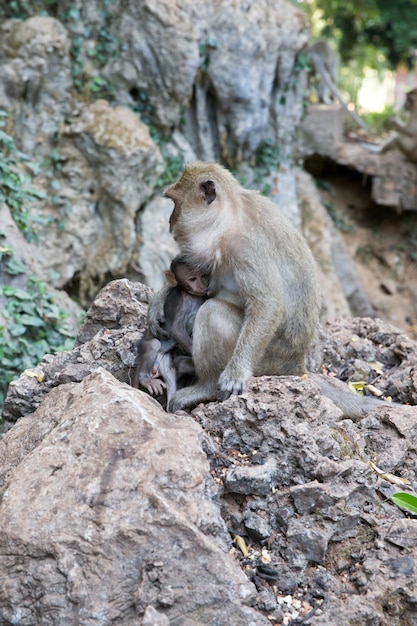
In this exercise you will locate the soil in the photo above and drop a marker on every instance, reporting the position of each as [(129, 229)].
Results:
[(382, 243)]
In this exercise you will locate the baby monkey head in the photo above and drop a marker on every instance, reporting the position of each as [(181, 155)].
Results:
[(183, 275)]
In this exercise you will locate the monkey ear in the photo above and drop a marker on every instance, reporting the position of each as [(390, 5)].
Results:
[(170, 276), (208, 191)]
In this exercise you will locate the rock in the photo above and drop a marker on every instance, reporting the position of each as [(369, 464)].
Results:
[(402, 533), (312, 497), (393, 177), (325, 504), (160, 56), (107, 338), (321, 129), (139, 491), (186, 63), (121, 304), (36, 83), (220, 92), (122, 521), (157, 248), (317, 230), (256, 526), (247, 74), (254, 479), (101, 152), (305, 545), (377, 343)]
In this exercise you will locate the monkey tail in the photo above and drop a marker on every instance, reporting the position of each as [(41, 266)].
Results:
[(352, 405), (325, 75)]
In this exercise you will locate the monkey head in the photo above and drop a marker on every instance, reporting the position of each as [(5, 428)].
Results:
[(181, 274), (202, 186), (411, 100)]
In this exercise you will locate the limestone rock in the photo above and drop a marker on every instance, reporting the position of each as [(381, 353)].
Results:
[(228, 69), (35, 83), (107, 338), (99, 484), (157, 246), (342, 293), (122, 515), (329, 529), (101, 153), (393, 177)]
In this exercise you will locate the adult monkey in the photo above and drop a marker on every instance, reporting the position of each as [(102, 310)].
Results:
[(265, 309), (405, 139)]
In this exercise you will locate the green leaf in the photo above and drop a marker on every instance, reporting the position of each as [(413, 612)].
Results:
[(31, 320), (14, 267), (16, 330), (405, 500), (15, 292)]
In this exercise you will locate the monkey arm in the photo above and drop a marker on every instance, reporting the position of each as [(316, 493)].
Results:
[(403, 128), (182, 338), (156, 315), (381, 148), (183, 322)]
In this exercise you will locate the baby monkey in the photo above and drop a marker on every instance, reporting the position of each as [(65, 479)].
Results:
[(160, 363)]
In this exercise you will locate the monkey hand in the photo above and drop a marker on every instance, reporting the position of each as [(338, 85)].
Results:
[(156, 387), (231, 385)]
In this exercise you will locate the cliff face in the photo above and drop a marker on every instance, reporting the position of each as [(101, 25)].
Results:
[(211, 82)]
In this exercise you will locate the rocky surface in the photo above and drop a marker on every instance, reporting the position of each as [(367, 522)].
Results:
[(121, 525), (107, 338), (342, 292), (393, 177), (110, 509), (227, 69), (36, 82)]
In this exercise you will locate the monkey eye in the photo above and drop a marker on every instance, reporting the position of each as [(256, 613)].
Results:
[(193, 279)]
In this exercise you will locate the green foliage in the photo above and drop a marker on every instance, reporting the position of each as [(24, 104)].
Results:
[(204, 52), (16, 188), (35, 324), (101, 88), (408, 244), (22, 9), (338, 221), (104, 47), (301, 62), (374, 32), (405, 500), (265, 161), (145, 110), (174, 166), (34, 321), (380, 121), (267, 156)]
